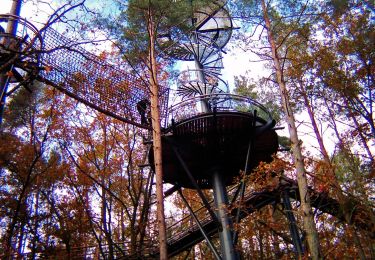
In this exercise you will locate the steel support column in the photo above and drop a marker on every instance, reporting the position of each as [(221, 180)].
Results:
[(192, 180), (292, 225), (192, 213), (221, 203), (204, 104)]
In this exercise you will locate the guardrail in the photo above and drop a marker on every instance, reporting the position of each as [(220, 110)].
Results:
[(220, 102)]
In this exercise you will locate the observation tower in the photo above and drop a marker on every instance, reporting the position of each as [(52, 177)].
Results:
[(213, 136)]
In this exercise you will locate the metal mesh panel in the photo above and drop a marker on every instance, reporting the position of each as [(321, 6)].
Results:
[(65, 65), (89, 79)]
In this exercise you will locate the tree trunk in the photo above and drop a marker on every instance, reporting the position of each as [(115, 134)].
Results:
[(275, 243), (308, 218), (332, 176), (143, 220), (311, 114), (104, 221), (357, 127), (156, 134), (357, 242), (363, 139), (342, 199), (260, 242), (36, 223), (21, 232)]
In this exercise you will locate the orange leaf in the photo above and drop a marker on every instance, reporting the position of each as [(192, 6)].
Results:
[(9, 73), (48, 69)]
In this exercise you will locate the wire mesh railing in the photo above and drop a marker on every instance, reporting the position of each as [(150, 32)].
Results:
[(90, 79)]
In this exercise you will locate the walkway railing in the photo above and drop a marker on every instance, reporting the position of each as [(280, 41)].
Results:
[(64, 64), (220, 102)]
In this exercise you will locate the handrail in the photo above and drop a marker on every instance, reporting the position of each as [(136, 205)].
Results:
[(206, 219), (219, 102), (27, 42), (8, 17)]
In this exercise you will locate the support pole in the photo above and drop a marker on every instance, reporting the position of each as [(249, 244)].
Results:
[(192, 180), (11, 30), (292, 225), (204, 104), (211, 246), (243, 181), (221, 203)]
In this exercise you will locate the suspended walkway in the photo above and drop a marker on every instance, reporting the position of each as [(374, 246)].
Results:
[(183, 236), (50, 57)]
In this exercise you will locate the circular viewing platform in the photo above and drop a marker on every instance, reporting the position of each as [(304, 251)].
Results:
[(216, 140), (20, 50)]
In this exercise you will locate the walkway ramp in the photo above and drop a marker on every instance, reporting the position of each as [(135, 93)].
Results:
[(253, 201), (50, 57)]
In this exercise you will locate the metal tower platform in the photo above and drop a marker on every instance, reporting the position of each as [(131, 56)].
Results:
[(216, 141), (214, 136)]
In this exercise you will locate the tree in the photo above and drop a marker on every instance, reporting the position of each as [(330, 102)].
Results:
[(330, 77), (69, 176), (265, 95), (277, 46), (296, 37), (143, 21), (343, 64), (23, 161), (144, 14), (106, 154)]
